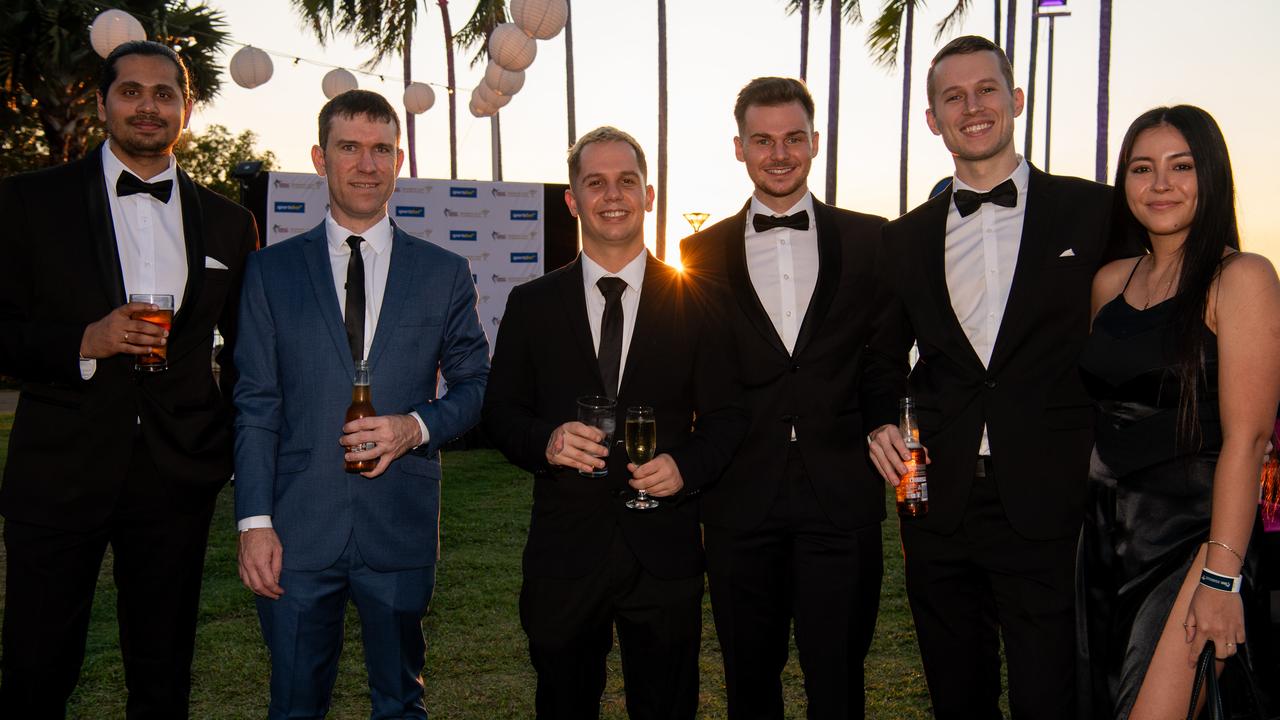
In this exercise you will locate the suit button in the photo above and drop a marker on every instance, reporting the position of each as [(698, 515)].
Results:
[(788, 419), (990, 383), (795, 367)]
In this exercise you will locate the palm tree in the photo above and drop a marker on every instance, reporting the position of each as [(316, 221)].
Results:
[(568, 73), (1012, 27), (661, 214), (386, 26), (488, 15), (844, 11), (803, 7), (453, 89), (1104, 89), (995, 35)]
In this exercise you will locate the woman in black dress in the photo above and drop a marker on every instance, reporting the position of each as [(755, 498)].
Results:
[(1184, 364)]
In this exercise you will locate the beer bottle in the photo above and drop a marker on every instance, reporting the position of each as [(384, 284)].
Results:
[(913, 487), (361, 407)]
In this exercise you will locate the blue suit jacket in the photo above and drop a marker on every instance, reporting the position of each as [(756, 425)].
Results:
[(295, 386)]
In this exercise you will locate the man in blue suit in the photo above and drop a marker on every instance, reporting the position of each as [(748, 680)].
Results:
[(311, 535)]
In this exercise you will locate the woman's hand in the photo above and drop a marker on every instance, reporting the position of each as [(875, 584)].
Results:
[(1214, 615)]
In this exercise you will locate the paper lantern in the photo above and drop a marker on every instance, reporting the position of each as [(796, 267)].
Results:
[(338, 81), (418, 98), (491, 98), (250, 67), (479, 107), (112, 29), (511, 48), (541, 19), (503, 81)]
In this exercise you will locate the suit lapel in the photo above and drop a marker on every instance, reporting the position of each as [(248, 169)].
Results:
[(103, 229), (830, 265), (1036, 227), (315, 250), (400, 274), (574, 299), (193, 238), (653, 293), (735, 248), (933, 227)]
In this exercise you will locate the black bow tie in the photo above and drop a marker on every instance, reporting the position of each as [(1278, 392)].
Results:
[(1005, 195), (130, 184), (795, 221)]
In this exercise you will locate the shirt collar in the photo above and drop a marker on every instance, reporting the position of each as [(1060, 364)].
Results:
[(378, 236), (112, 166), (632, 273), (1020, 175), (805, 203)]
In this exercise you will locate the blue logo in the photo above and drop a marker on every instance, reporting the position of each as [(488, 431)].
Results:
[(290, 207), (524, 257), (467, 235), (410, 211), (464, 192), (524, 214)]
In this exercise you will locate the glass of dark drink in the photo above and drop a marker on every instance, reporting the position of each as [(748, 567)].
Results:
[(157, 357)]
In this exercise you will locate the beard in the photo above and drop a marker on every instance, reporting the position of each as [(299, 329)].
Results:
[(139, 144)]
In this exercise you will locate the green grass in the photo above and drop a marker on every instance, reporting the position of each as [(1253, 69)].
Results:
[(477, 665)]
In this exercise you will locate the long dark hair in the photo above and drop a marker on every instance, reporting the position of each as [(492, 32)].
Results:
[(1213, 229)]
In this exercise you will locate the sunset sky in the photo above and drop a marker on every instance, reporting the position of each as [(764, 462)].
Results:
[(1163, 52)]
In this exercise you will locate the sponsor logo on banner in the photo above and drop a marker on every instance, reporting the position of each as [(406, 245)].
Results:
[(524, 257), (467, 213), (524, 214), (484, 299), (462, 192), (482, 257), (516, 279), (299, 184), (415, 189), (287, 230), (415, 211), (514, 193), (463, 235), (283, 206), (424, 233), (515, 236)]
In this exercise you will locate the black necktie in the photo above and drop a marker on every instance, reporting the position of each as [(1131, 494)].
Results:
[(355, 300), (610, 353), (130, 184), (1005, 195), (795, 221)]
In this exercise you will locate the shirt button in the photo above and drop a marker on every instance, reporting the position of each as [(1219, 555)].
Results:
[(788, 313), (786, 276)]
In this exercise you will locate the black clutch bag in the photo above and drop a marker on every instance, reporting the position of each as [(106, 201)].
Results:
[(1249, 706)]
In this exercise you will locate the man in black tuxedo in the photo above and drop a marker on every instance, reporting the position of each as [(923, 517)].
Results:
[(991, 279), (101, 454), (616, 323), (793, 528)]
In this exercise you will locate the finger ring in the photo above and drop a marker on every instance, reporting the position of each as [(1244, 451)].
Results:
[(126, 336), (1231, 644), (869, 441)]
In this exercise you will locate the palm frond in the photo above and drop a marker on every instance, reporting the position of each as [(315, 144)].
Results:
[(885, 35), (488, 15), (953, 18)]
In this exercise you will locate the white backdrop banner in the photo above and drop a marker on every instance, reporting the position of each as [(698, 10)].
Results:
[(497, 226)]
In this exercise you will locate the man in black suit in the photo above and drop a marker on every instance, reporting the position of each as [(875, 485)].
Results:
[(793, 528), (991, 279), (616, 323), (101, 454)]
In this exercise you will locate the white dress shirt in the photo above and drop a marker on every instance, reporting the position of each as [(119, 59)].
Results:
[(633, 275), (783, 266), (376, 252), (980, 256), (149, 239)]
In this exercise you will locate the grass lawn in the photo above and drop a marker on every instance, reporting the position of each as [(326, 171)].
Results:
[(476, 656)]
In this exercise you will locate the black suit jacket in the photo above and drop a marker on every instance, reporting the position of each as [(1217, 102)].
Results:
[(544, 359), (60, 271), (816, 387), (1038, 417)]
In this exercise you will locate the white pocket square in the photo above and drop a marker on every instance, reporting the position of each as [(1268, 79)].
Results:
[(1068, 253), (214, 264)]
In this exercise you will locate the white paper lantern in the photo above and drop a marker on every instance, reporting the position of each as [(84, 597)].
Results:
[(112, 29), (491, 98), (338, 81), (250, 67), (541, 19), (418, 98), (511, 48), (479, 107), (503, 81)]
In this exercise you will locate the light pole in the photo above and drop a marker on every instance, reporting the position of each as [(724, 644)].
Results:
[(1040, 12)]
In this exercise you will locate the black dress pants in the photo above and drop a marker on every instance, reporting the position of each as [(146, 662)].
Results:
[(796, 566), (982, 583), (157, 531)]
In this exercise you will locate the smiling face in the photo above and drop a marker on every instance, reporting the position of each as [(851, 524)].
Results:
[(144, 109), (361, 160), (609, 197), (973, 109), (777, 145), (1160, 182)]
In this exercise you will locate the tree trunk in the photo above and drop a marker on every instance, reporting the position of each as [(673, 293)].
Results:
[(568, 73), (1104, 89), (1012, 28), (804, 40), (453, 90), (495, 146), (661, 214), (906, 106), (995, 36), (409, 129), (833, 102), (1031, 84)]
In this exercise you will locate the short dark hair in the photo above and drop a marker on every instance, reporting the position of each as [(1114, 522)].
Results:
[(143, 47), (357, 102), (771, 92), (604, 133), (966, 45)]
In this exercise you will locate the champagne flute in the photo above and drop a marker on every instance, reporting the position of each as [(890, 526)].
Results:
[(641, 441)]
